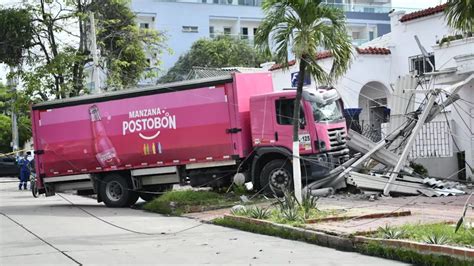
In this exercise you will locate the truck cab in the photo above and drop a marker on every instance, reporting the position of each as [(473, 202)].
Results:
[(322, 135)]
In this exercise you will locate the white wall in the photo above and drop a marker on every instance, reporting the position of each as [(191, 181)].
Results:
[(463, 116), (403, 45), (364, 69), (171, 16)]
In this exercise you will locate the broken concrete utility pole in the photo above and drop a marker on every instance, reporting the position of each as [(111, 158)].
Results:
[(95, 56), (411, 140), (430, 111)]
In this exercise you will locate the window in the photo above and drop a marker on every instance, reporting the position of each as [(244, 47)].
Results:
[(371, 35), (369, 10), (284, 111), (144, 26), (356, 35), (227, 30), (419, 65), (245, 33), (190, 29), (255, 31), (211, 31), (328, 112)]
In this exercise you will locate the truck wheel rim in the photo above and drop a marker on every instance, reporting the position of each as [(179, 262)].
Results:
[(114, 190), (279, 179)]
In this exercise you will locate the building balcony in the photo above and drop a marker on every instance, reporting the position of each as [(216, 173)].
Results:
[(219, 2), (380, 6), (247, 38)]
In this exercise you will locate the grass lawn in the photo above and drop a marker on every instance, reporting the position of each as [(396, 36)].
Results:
[(425, 233), (185, 201), (295, 216)]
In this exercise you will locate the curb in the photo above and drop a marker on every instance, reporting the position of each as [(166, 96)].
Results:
[(357, 217), (353, 243), (460, 252), (315, 237)]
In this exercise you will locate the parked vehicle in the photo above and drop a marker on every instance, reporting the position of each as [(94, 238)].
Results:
[(201, 132), (9, 167)]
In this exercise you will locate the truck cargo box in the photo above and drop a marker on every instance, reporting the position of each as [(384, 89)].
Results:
[(171, 124)]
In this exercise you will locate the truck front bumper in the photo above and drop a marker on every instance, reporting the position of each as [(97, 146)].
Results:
[(318, 166)]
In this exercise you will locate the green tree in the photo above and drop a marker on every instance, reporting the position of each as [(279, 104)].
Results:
[(15, 35), (125, 46), (460, 15), (16, 31), (223, 51), (18, 102), (5, 133), (303, 27), (58, 49)]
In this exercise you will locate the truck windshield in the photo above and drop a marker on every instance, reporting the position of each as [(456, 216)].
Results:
[(328, 112)]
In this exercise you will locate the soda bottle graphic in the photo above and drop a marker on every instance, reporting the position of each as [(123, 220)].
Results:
[(105, 151)]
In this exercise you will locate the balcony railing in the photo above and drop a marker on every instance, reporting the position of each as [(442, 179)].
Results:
[(358, 42), (247, 38), (250, 39), (219, 2), (361, 8)]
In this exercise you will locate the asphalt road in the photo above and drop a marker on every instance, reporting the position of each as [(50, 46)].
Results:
[(77, 230)]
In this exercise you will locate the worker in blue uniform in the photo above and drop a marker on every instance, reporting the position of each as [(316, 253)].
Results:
[(24, 164)]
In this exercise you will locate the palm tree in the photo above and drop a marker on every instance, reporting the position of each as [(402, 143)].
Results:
[(460, 15), (304, 27)]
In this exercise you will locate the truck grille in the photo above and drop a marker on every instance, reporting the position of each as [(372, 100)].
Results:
[(337, 138)]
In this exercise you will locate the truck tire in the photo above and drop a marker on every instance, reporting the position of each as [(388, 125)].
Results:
[(276, 177), (116, 191), (150, 196)]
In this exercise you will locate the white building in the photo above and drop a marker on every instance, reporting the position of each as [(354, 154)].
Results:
[(382, 68), (186, 21)]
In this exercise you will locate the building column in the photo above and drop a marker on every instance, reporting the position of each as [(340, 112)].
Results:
[(237, 25)]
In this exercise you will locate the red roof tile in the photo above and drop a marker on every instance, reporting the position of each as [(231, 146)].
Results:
[(373, 50), (423, 13), (278, 66), (323, 54)]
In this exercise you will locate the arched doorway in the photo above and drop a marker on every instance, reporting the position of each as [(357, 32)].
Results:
[(373, 98)]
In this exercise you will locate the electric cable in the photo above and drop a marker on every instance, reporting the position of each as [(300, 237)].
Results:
[(40, 238)]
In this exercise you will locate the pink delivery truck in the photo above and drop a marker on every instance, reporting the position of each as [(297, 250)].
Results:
[(136, 143)]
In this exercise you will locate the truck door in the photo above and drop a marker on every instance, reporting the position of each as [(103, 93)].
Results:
[(283, 125)]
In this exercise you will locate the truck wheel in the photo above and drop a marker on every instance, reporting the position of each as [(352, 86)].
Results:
[(150, 196), (276, 177), (116, 191)]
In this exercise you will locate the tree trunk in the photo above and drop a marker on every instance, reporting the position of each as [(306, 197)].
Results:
[(296, 124), (78, 66), (49, 23)]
